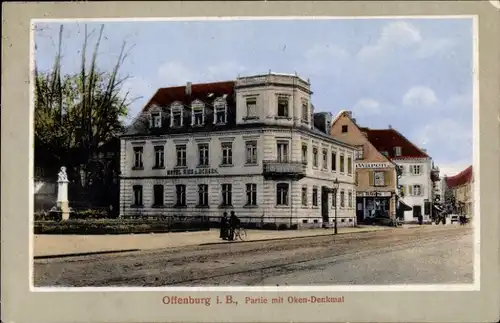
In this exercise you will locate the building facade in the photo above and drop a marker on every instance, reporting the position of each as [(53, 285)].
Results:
[(461, 188), (376, 174), (418, 173), (248, 146)]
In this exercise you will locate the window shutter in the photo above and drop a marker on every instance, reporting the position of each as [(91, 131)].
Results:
[(386, 178), (410, 190), (410, 169), (403, 189), (370, 175)]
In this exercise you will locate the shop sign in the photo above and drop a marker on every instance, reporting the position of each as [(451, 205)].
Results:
[(192, 172), (374, 194), (373, 165)]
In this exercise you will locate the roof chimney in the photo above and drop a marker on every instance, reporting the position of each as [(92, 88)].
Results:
[(424, 150), (354, 120), (188, 88), (390, 127)]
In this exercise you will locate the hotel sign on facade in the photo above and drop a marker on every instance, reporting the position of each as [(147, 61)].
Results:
[(192, 172)]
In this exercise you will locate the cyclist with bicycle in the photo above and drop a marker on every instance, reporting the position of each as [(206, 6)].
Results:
[(234, 223)]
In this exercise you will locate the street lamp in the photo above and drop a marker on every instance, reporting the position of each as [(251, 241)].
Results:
[(335, 188)]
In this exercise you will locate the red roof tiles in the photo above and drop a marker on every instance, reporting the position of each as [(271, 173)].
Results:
[(461, 178), (201, 91), (388, 139)]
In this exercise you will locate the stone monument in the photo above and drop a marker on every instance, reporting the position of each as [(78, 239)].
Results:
[(62, 194)]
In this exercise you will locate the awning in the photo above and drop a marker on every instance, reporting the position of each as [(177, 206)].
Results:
[(404, 207)]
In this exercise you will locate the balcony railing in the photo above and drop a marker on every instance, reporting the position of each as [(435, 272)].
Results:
[(278, 168)]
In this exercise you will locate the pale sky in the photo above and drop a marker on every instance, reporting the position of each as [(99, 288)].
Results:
[(413, 74)]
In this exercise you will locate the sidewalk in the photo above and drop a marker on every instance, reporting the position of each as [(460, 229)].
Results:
[(46, 246)]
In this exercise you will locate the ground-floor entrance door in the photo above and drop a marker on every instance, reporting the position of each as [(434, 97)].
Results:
[(324, 204), (360, 209)]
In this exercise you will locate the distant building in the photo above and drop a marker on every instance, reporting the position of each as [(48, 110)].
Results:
[(419, 176), (461, 187), (249, 146), (376, 173)]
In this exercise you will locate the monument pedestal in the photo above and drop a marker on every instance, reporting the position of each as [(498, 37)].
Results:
[(62, 197)]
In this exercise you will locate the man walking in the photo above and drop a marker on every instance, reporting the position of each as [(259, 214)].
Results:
[(223, 226), (234, 222)]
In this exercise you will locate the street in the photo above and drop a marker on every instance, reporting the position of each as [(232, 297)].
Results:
[(421, 255)]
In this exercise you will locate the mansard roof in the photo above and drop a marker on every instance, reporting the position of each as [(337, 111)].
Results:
[(204, 92)]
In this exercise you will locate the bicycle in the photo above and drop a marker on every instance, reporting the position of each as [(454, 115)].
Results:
[(240, 233)]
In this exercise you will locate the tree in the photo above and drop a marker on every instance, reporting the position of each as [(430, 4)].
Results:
[(77, 114)]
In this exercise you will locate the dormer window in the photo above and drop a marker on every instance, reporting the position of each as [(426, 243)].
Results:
[(220, 111), (328, 125), (283, 106), (305, 112), (176, 115), (155, 121), (397, 151), (198, 113)]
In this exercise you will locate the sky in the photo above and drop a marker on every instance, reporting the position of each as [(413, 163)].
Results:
[(412, 74)]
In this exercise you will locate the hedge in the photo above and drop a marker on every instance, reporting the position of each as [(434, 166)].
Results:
[(110, 226)]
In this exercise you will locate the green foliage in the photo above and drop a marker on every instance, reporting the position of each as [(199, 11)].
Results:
[(76, 114), (80, 111), (118, 226)]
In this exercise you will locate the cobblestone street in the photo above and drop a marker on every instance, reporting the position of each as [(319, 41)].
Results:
[(424, 255)]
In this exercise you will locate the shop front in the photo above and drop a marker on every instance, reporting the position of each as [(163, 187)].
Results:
[(372, 203)]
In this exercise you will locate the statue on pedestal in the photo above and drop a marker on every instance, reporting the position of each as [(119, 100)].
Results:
[(62, 193), (63, 177)]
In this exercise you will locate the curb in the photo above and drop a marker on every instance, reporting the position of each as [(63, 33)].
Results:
[(85, 253), (287, 238)]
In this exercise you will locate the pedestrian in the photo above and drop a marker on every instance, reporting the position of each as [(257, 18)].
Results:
[(462, 220), (234, 223), (223, 226)]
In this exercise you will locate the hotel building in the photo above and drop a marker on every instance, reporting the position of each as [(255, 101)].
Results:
[(253, 146)]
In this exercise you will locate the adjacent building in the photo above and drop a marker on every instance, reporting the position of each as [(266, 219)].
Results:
[(461, 188), (376, 173), (419, 175), (253, 146)]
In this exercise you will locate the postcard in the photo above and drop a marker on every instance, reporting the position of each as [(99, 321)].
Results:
[(306, 161)]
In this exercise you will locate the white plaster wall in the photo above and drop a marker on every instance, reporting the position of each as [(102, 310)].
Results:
[(238, 175), (424, 179), (267, 100)]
